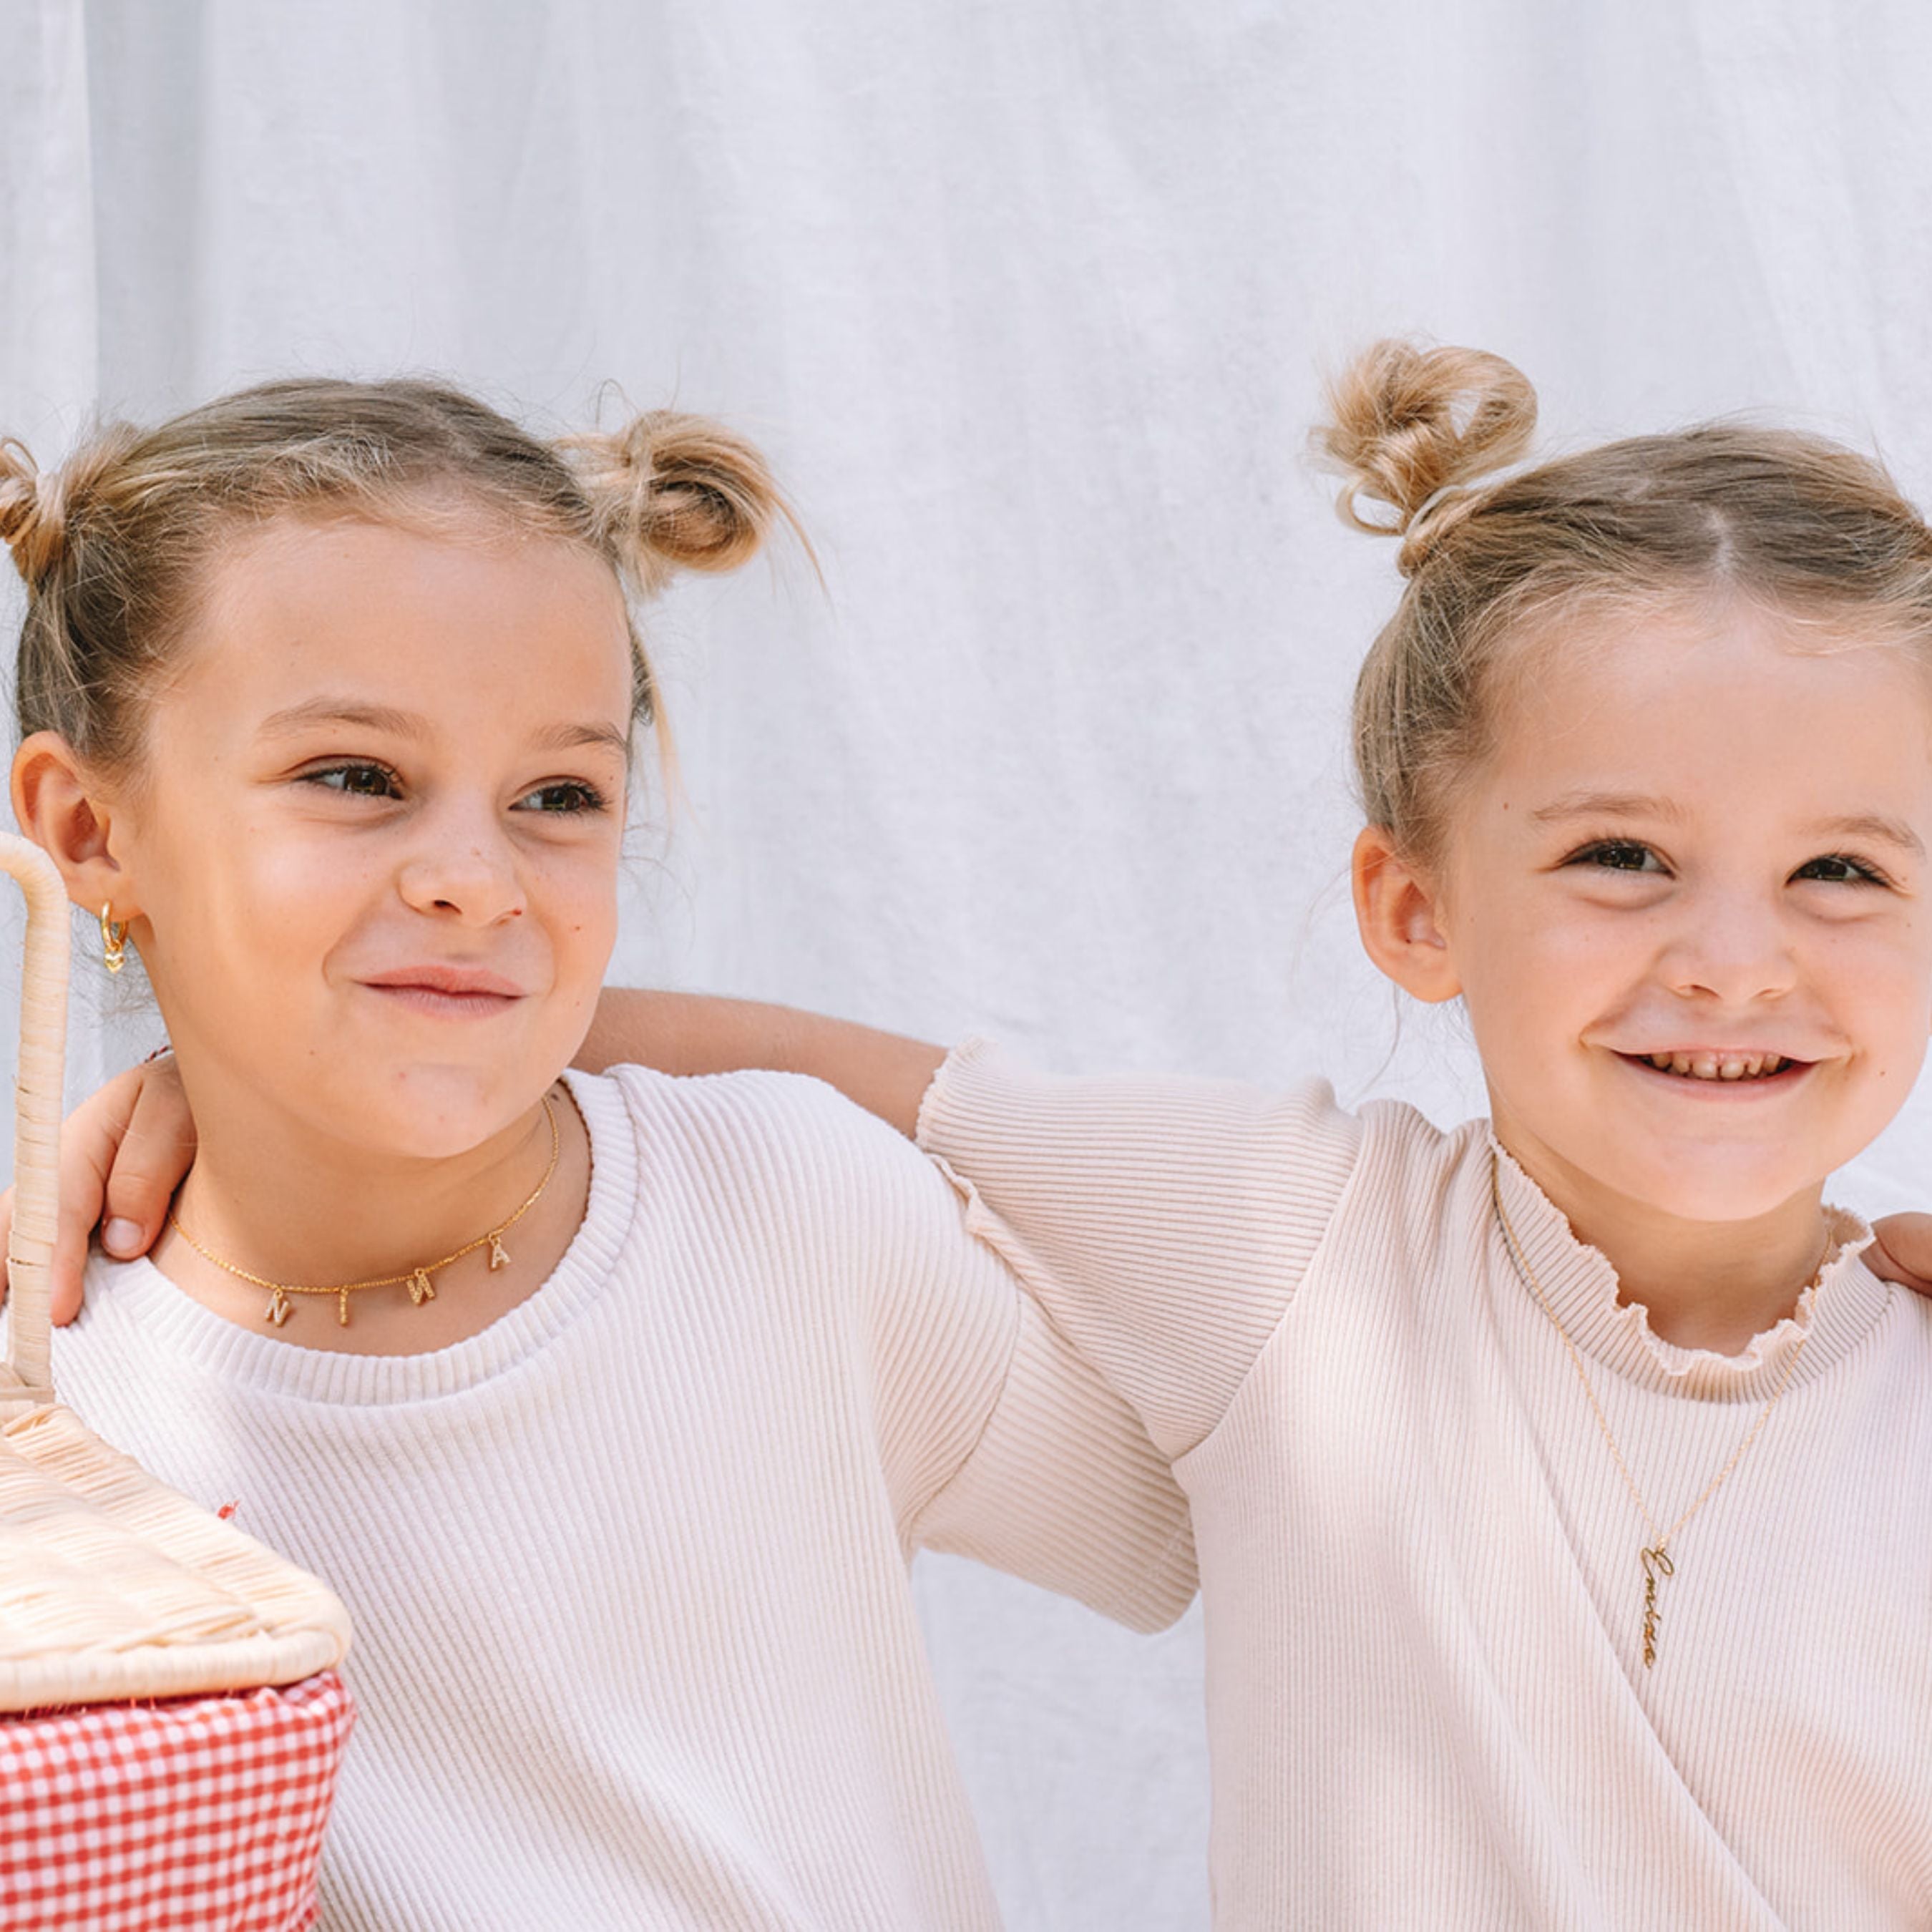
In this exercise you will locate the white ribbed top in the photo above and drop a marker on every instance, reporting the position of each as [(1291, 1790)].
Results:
[(1427, 1704), (634, 1646)]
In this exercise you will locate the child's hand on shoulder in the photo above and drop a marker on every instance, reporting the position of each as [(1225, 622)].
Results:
[(123, 1151), (1902, 1250)]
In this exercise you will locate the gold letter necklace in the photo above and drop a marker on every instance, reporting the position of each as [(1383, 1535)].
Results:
[(1655, 1556), (417, 1280)]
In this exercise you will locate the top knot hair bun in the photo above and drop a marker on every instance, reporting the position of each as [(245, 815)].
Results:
[(677, 492), (1409, 426), (33, 513), (37, 506)]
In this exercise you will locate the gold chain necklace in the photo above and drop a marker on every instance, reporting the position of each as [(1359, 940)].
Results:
[(417, 1280), (1655, 1557)]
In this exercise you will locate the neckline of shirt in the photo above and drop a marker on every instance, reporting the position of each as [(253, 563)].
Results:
[(1830, 1319), (175, 1321)]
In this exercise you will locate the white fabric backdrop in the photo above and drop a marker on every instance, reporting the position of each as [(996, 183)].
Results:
[(1026, 300)]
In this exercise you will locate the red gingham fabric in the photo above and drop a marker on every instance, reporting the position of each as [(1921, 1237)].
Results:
[(200, 1812)]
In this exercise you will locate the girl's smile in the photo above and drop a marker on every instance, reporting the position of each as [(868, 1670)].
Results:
[(1721, 1063), (444, 991)]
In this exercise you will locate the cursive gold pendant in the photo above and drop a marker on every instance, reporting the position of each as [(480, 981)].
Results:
[(1656, 1563)]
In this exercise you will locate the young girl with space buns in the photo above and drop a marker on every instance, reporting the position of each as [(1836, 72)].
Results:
[(613, 1407), (1562, 1484)]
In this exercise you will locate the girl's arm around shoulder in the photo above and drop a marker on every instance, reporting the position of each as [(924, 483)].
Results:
[(1164, 1223), (885, 1073)]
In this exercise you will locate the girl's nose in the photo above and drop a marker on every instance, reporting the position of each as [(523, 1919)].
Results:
[(462, 866), (1733, 949)]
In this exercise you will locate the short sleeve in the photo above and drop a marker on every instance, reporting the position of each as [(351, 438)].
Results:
[(1064, 1488), (1163, 1224), (995, 1440)]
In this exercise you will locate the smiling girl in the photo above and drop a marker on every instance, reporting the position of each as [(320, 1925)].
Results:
[(1562, 1484), (613, 1408)]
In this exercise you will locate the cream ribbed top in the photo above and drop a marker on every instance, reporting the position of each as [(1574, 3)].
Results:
[(634, 1646), (1427, 1706)]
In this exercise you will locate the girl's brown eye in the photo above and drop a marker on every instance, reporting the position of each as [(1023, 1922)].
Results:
[(1619, 855), (356, 780), (1835, 868), (567, 795)]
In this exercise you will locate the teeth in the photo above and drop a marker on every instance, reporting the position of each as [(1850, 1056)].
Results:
[(1707, 1066)]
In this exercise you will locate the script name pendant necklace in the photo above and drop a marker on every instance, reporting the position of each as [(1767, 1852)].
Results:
[(417, 1280), (1654, 1556)]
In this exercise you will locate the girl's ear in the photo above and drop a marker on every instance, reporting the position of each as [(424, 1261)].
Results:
[(1398, 912), (56, 807)]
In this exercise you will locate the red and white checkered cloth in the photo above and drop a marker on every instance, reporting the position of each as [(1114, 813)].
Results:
[(200, 1812)]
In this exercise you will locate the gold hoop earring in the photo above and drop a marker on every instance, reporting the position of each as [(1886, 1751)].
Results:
[(113, 941)]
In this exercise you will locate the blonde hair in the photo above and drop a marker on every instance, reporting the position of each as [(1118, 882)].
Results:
[(1794, 522), (115, 544)]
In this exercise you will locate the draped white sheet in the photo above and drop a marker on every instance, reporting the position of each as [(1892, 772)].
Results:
[(1027, 298)]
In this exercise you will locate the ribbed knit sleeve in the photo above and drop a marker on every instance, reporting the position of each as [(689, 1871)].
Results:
[(997, 1440), (1065, 1488), (1164, 1224)]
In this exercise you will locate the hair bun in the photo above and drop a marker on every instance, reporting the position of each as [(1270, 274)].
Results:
[(677, 492), (36, 505), (33, 512), (1407, 424)]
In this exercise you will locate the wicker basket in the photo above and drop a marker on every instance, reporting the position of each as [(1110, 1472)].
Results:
[(117, 1810), (111, 1585)]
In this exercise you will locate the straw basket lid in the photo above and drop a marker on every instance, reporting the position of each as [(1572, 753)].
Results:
[(111, 1586)]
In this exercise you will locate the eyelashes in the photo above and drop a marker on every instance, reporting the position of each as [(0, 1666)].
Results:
[(1841, 868), (1617, 855), (358, 778), (365, 778), (1632, 855), (568, 796)]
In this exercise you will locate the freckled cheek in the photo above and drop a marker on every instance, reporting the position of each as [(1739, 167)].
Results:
[(583, 917)]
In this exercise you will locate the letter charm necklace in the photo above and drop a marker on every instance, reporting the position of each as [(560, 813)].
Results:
[(1655, 1555)]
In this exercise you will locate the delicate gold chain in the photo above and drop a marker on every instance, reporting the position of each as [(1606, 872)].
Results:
[(1655, 1558), (417, 1280)]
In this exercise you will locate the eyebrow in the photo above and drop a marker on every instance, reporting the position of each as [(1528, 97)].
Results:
[(385, 718), (1628, 804), (1888, 831), (1605, 805)]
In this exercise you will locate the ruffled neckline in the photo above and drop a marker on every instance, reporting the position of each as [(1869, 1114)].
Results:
[(1831, 1317)]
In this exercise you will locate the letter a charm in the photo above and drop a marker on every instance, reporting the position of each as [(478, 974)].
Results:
[(500, 1255)]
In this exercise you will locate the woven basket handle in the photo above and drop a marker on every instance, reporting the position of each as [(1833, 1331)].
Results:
[(25, 1380)]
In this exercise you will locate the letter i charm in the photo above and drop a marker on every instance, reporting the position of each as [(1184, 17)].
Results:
[(1656, 1563)]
